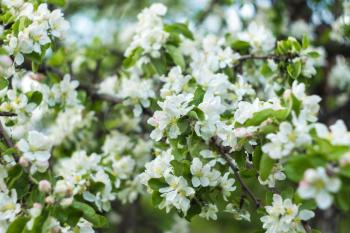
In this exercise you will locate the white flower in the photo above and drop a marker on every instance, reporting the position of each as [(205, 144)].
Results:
[(173, 107), (260, 38), (108, 85), (58, 25), (149, 35), (317, 184), (123, 167), (275, 175), (340, 74), (284, 216), (9, 207), (203, 175), (36, 149), (65, 92), (227, 185), (246, 110), (174, 82), (338, 134), (178, 193), (287, 138), (209, 212), (238, 214), (158, 167)]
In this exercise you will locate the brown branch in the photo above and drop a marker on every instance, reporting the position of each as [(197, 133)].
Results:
[(204, 14), (307, 227), (7, 114), (224, 153)]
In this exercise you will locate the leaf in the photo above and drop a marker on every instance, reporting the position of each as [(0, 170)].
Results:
[(261, 116), (179, 28), (176, 55), (156, 184), (194, 210), (266, 165), (240, 45), (17, 225), (257, 154), (313, 54), (133, 57), (35, 97), (198, 96), (294, 69), (156, 198), (305, 42), (60, 3), (90, 215), (296, 166), (39, 222), (183, 124), (3, 83), (345, 171)]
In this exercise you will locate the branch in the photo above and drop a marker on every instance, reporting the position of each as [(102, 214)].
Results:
[(223, 152), (203, 15), (307, 227), (266, 57), (7, 114)]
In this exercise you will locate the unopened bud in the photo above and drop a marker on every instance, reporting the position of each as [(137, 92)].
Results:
[(67, 201), (44, 186), (23, 162), (49, 200)]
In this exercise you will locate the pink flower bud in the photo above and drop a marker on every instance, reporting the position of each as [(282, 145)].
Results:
[(44, 186)]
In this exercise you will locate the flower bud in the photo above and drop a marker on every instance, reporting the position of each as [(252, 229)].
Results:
[(45, 186), (67, 201), (23, 162), (49, 200)]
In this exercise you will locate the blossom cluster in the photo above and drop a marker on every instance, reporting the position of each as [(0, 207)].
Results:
[(203, 123)]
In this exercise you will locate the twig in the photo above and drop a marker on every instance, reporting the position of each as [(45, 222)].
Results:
[(223, 153), (307, 227), (265, 57), (7, 114), (203, 15)]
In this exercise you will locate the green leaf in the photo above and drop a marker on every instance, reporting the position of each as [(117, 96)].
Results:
[(3, 83), (183, 124), (176, 55), (305, 42), (180, 168), (156, 198), (39, 222), (313, 54), (294, 69), (35, 97), (266, 71), (296, 166), (156, 184), (89, 214), (133, 57), (198, 96), (179, 28), (17, 225), (257, 154), (263, 115), (60, 3), (345, 171), (194, 210), (266, 165), (240, 45)]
